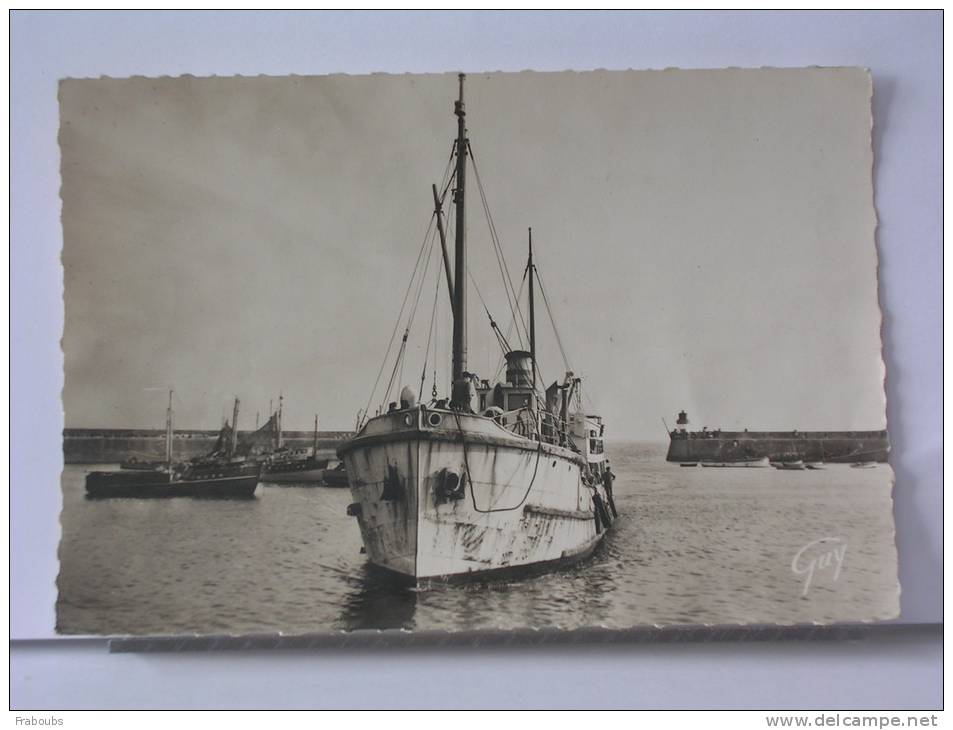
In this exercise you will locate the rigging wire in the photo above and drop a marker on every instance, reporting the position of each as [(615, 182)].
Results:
[(501, 340), (399, 362), (447, 346), (466, 464), (400, 313), (498, 251), (552, 320), (433, 317)]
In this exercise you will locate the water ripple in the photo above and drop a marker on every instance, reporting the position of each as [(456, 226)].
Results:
[(692, 546)]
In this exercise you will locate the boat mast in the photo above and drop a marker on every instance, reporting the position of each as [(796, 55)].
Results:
[(233, 444), (460, 394), (438, 212), (315, 435), (168, 435), (281, 400), (532, 311)]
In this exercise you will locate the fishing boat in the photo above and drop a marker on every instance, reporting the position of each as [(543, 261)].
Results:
[(497, 479), (796, 465), (294, 466), (220, 475), (297, 466)]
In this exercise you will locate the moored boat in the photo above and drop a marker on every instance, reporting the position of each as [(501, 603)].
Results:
[(210, 481), (295, 466), (496, 479), (216, 476), (739, 464), (305, 469), (795, 465)]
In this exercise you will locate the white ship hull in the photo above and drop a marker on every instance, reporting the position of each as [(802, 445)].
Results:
[(521, 504)]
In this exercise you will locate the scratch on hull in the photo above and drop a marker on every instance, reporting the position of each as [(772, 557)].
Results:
[(501, 574)]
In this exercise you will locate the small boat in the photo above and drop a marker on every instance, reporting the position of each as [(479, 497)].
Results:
[(216, 476), (689, 463), (863, 465), (789, 465), (335, 476), (741, 464), (814, 465), (210, 480), (296, 466)]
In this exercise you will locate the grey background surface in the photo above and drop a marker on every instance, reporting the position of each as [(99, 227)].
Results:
[(903, 51)]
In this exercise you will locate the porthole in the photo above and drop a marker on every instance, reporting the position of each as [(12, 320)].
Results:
[(435, 419), (409, 419)]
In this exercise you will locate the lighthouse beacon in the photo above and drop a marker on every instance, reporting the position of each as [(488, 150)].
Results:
[(681, 425)]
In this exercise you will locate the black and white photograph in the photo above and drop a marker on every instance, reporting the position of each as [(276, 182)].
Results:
[(472, 351)]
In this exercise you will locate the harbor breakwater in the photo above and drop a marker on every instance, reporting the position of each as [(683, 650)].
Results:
[(827, 446), (107, 445)]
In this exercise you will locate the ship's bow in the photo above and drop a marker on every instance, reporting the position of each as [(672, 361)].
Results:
[(383, 482), (440, 495)]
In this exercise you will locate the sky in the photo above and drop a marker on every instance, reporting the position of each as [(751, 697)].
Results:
[(705, 240)]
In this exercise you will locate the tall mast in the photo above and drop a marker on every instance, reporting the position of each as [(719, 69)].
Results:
[(281, 400), (315, 434), (168, 435), (438, 213), (233, 446), (460, 393), (532, 310)]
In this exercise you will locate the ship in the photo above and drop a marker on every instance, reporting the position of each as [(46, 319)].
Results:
[(295, 466), (218, 475), (793, 465), (292, 466), (118, 446), (496, 480), (816, 447)]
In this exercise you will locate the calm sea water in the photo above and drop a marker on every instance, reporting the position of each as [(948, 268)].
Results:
[(692, 545)]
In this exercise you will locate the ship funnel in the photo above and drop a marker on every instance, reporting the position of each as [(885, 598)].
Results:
[(519, 368)]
